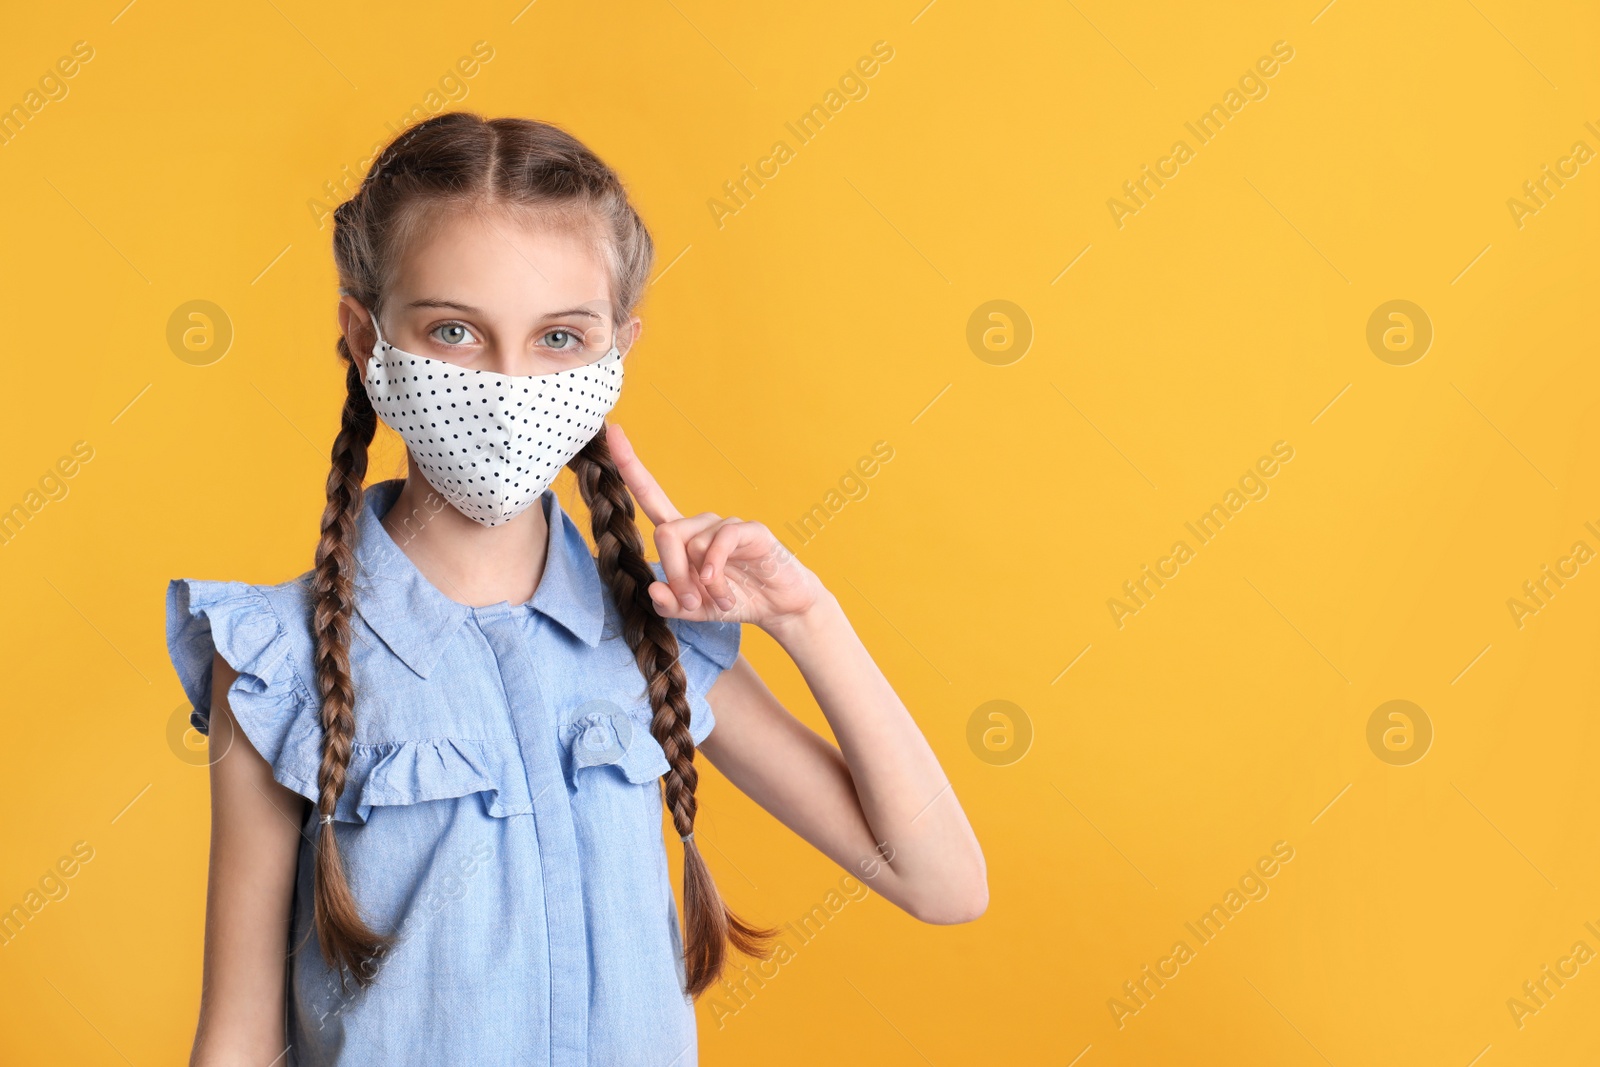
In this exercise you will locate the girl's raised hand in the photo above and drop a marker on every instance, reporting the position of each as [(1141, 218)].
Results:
[(727, 570)]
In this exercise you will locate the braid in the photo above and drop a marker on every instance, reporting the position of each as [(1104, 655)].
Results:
[(709, 925), (347, 943)]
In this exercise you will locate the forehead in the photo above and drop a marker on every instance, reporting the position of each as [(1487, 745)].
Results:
[(498, 259)]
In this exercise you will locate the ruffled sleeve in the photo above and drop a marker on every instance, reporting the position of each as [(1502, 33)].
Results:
[(269, 699), (708, 648)]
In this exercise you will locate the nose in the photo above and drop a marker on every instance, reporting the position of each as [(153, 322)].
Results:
[(504, 360)]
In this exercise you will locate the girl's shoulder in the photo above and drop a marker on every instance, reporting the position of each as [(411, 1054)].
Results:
[(263, 632)]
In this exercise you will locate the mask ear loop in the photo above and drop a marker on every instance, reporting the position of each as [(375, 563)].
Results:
[(376, 329), (615, 355)]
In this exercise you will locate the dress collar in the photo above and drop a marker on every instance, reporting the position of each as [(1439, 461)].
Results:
[(416, 620)]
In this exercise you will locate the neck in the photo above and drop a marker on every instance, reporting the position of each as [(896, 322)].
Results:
[(470, 563)]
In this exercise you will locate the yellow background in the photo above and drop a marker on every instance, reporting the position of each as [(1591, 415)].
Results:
[(831, 312)]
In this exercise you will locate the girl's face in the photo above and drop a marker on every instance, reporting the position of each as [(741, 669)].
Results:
[(490, 289)]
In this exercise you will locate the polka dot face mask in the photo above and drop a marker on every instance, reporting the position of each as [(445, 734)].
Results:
[(490, 443)]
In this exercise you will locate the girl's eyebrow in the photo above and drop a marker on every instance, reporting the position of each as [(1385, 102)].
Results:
[(470, 310), (432, 303)]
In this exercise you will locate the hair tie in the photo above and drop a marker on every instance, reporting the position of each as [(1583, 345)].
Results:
[(686, 838), (326, 819)]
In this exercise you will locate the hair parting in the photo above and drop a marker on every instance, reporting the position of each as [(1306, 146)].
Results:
[(459, 159)]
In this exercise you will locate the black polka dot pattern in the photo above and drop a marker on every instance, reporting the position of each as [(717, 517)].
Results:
[(490, 443)]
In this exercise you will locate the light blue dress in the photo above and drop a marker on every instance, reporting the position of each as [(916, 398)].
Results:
[(501, 813)]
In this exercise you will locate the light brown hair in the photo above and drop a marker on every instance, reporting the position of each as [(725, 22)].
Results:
[(459, 159)]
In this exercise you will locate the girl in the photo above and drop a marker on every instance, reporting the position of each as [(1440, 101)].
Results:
[(451, 729)]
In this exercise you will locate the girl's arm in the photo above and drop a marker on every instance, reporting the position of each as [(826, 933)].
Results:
[(879, 804), (255, 838)]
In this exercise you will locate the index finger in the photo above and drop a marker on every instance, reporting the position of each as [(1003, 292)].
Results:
[(644, 487)]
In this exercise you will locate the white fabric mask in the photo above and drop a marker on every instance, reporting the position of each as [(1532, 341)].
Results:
[(492, 455)]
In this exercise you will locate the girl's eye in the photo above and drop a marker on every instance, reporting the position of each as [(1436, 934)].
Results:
[(452, 333), (561, 339)]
